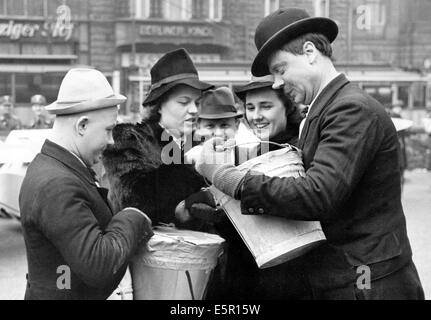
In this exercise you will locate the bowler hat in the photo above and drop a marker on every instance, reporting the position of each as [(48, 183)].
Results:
[(285, 25), (255, 83), (84, 90), (218, 104), (175, 67)]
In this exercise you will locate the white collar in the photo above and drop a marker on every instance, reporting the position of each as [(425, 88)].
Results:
[(80, 160), (320, 91), (178, 141)]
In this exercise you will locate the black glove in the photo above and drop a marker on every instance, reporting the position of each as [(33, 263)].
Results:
[(202, 205)]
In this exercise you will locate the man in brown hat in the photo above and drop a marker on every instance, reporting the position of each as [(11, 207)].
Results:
[(77, 247), (217, 117), (350, 153)]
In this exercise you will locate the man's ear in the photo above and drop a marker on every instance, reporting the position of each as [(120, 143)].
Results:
[(81, 125), (310, 51)]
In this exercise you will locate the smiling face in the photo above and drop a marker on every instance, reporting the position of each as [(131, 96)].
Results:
[(178, 110), (221, 128), (265, 113), (296, 74)]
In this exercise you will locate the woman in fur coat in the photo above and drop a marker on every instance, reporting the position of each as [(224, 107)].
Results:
[(145, 166)]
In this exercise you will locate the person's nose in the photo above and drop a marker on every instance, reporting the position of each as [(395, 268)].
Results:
[(278, 82), (257, 116), (193, 109), (110, 141), (219, 132)]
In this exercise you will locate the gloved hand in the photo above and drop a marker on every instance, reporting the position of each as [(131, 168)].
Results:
[(200, 205), (215, 154), (212, 165), (148, 227)]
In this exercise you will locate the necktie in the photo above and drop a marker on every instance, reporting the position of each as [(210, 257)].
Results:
[(304, 112), (94, 175)]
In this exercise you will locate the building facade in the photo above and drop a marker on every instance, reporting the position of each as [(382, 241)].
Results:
[(384, 45)]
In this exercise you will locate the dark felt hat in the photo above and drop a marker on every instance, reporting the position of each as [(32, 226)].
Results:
[(218, 104), (174, 68), (255, 83), (285, 25)]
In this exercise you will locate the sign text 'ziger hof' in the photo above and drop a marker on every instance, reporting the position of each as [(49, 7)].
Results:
[(60, 28)]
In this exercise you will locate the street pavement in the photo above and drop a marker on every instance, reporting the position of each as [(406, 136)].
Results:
[(417, 208)]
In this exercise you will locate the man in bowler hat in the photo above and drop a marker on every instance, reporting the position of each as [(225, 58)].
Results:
[(77, 247), (350, 153)]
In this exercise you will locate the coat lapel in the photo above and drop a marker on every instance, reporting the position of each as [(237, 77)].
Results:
[(324, 98), (62, 155)]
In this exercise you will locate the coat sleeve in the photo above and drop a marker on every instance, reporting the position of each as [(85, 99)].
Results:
[(93, 254), (350, 135)]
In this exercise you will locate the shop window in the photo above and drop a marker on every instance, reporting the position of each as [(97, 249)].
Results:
[(27, 85), (419, 95), (34, 49), (9, 48), (321, 8), (271, 6), (381, 93), (5, 84)]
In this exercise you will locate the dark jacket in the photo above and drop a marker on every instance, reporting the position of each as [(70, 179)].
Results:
[(352, 186), (146, 169), (67, 223)]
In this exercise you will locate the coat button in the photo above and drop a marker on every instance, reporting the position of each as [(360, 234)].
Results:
[(261, 211), (251, 210)]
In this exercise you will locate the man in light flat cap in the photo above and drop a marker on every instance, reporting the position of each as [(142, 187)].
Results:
[(350, 153), (77, 247)]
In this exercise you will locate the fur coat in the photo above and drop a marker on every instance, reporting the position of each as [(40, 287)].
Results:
[(138, 176)]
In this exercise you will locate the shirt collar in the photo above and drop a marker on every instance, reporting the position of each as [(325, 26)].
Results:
[(178, 141), (319, 92)]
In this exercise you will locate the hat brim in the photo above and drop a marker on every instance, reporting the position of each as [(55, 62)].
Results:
[(85, 106), (153, 95), (224, 115), (322, 25), (242, 91)]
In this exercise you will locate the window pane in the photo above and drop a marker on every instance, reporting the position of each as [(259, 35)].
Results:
[(35, 8), (177, 9), (200, 9), (2, 6), (15, 7), (34, 49), (5, 84), (28, 85), (156, 9), (218, 9), (9, 48)]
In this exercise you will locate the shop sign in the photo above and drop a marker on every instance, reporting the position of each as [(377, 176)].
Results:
[(146, 60), (61, 28), (175, 30), (370, 17)]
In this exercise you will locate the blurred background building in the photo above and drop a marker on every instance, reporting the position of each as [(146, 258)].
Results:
[(384, 45)]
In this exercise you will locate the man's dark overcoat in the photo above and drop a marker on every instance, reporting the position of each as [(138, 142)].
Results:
[(352, 186), (69, 225)]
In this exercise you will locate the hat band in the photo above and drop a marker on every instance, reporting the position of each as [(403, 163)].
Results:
[(176, 77), (80, 101)]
